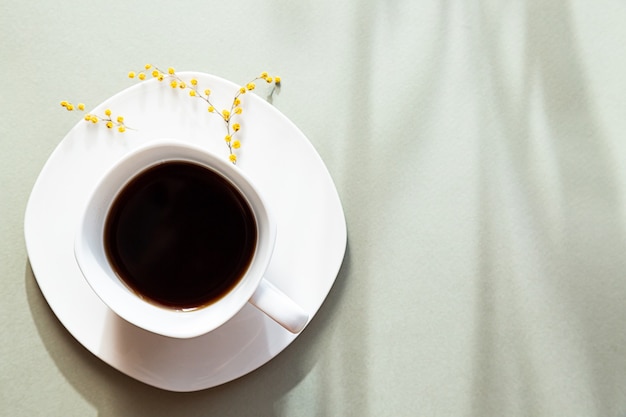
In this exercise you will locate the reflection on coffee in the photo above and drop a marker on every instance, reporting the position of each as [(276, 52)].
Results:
[(180, 235)]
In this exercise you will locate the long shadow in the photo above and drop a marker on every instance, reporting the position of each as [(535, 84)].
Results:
[(594, 243), (114, 394), (581, 263), (351, 358), (362, 154)]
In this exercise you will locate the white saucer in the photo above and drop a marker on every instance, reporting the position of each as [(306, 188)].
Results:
[(309, 250)]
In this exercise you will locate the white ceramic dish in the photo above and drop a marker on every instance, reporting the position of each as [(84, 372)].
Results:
[(310, 243)]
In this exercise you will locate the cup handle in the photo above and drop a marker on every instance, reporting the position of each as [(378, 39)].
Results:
[(279, 307)]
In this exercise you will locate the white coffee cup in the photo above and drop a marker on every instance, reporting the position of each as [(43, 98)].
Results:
[(92, 259)]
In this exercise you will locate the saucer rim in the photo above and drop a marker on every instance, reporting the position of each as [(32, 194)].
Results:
[(94, 342)]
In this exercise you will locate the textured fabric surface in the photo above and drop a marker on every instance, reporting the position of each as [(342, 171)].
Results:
[(478, 149)]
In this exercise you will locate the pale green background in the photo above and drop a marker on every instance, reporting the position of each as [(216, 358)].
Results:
[(478, 148)]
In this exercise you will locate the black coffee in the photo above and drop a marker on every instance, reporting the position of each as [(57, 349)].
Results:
[(180, 235)]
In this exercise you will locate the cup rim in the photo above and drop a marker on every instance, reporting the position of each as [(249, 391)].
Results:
[(92, 261)]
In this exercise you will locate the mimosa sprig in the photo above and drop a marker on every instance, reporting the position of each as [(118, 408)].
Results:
[(230, 115), (108, 118)]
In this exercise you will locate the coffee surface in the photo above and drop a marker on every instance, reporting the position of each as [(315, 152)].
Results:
[(180, 235)]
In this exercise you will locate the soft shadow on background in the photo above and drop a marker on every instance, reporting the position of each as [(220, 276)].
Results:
[(114, 394), (572, 349), (471, 147)]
